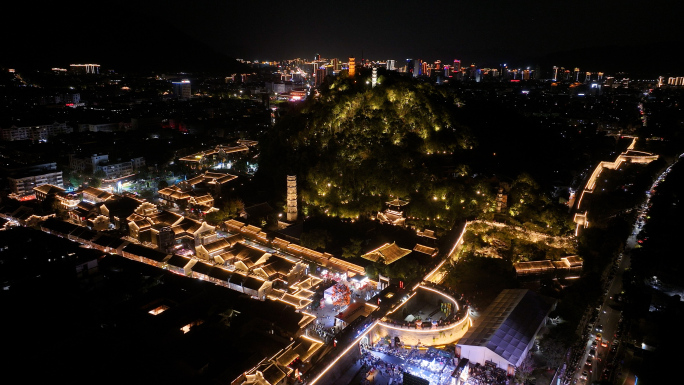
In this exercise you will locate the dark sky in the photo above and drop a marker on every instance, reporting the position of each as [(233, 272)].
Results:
[(475, 31), (426, 29)]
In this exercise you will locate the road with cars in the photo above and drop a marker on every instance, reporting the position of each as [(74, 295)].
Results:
[(603, 345)]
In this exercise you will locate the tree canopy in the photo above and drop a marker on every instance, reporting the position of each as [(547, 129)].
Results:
[(354, 147)]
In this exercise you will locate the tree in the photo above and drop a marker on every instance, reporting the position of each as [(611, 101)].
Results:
[(316, 239), (552, 350), (233, 207), (162, 184), (523, 372), (354, 248), (147, 194)]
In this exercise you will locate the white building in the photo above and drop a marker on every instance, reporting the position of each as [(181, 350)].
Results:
[(102, 127), (40, 133), (507, 329), (87, 164), (24, 185)]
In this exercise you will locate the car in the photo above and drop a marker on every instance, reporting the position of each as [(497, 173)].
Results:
[(599, 336), (588, 363), (584, 375), (587, 368), (606, 374), (594, 343), (592, 353), (599, 328), (604, 343)]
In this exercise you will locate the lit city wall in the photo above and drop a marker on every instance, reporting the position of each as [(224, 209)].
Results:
[(430, 336)]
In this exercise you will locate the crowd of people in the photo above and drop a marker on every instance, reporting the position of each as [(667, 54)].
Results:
[(486, 375), (430, 364)]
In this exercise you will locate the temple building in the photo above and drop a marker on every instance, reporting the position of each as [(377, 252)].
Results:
[(387, 254), (217, 155), (394, 213)]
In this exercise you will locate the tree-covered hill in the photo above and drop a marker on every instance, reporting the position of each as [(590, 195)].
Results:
[(354, 147)]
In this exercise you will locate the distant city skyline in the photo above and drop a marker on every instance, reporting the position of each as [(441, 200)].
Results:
[(521, 33)]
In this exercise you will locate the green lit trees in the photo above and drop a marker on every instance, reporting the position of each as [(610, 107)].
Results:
[(356, 147)]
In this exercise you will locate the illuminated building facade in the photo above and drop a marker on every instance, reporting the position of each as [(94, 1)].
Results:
[(85, 68), (182, 89), (291, 198), (39, 133), (352, 66), (23, 185)]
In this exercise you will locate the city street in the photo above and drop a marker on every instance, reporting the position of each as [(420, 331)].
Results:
[(609, 312)]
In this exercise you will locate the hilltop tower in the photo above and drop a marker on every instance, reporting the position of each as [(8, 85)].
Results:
[(291, 198)]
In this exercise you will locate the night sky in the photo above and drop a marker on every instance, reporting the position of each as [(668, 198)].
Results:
[(519, 32)]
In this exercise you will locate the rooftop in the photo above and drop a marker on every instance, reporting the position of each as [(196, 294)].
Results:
[(510, 323)]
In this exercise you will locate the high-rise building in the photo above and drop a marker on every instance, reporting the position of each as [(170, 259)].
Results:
[(352, 66), (336, 64), (391, 65), (181, 89), (374, 78), (320, 75), (555, 73), (457, 65), (410, 68), (424, 68)]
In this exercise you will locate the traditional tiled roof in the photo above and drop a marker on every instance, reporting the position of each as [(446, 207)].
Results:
[(218, 245), (202, 268), (220, 274), (387, 253), (281, 243), (174, 193), (187, 225), (397, 202), (48, 189), (431, 251), (145, 252), (178, 261), (234, 225), (533, 267), (202, 200), (142, 224), (573, 261), (96, 192), (342, 264), (249, 229), (166, 218)]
